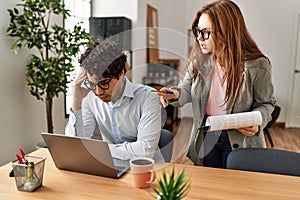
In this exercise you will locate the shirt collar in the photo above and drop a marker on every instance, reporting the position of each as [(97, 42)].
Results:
[(129, 88), (128, 92)]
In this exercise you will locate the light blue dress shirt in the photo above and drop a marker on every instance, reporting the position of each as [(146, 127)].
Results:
[(131, 126)]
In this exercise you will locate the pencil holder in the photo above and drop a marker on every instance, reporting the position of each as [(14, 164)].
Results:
[(29, 175)]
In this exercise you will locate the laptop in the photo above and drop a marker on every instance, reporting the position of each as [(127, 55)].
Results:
[(84, 155)]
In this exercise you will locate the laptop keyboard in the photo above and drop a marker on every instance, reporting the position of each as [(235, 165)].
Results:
[(119, 169)]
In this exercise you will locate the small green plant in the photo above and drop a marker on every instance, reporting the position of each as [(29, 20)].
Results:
[(172, 187)]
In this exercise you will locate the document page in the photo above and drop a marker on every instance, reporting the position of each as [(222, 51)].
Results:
[(232, 121)]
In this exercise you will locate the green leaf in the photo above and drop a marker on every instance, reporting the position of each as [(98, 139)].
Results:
[(16, 11), (15, 48), (172, 187)]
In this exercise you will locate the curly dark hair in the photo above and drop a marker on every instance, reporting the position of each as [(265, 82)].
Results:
[(104, 58)]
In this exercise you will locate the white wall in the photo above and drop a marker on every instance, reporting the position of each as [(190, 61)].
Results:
[(22, 117), (126, 8), (172, 37), (274, 29)]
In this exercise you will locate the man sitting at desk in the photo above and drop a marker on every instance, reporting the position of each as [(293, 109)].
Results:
[(128, 115)]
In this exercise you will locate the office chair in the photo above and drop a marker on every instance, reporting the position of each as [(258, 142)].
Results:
[(166, 144), (169, 114), (275, 115), (265, 160)]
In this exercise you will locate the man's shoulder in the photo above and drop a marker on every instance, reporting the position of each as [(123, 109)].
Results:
[(143, 91)]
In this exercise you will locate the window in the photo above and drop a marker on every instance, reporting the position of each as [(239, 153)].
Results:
[(80, 11)]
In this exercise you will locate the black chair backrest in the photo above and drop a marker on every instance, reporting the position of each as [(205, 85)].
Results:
[(275, 115), (166, 144), (265, 160)]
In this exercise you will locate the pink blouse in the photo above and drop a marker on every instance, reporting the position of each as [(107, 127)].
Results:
[(215, 104)]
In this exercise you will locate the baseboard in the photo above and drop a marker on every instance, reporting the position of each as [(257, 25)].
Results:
[(279, 124)]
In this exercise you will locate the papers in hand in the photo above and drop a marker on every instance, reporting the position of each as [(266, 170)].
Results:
[(233, 121)]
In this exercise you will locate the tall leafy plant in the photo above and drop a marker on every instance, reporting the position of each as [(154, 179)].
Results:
[(50, 64)]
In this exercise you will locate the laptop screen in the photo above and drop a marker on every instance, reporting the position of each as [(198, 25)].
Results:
[(83, 155)]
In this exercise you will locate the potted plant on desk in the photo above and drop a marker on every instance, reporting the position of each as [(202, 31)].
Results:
[(49, 67), (172, 187)]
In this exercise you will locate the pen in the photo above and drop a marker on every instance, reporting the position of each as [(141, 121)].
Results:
[(166, 92), (19, 159), (23, 156)]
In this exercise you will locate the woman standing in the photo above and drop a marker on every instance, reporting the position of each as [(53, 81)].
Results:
[(226, 73)]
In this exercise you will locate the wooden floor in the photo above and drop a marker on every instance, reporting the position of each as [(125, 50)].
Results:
[(283, 138)]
